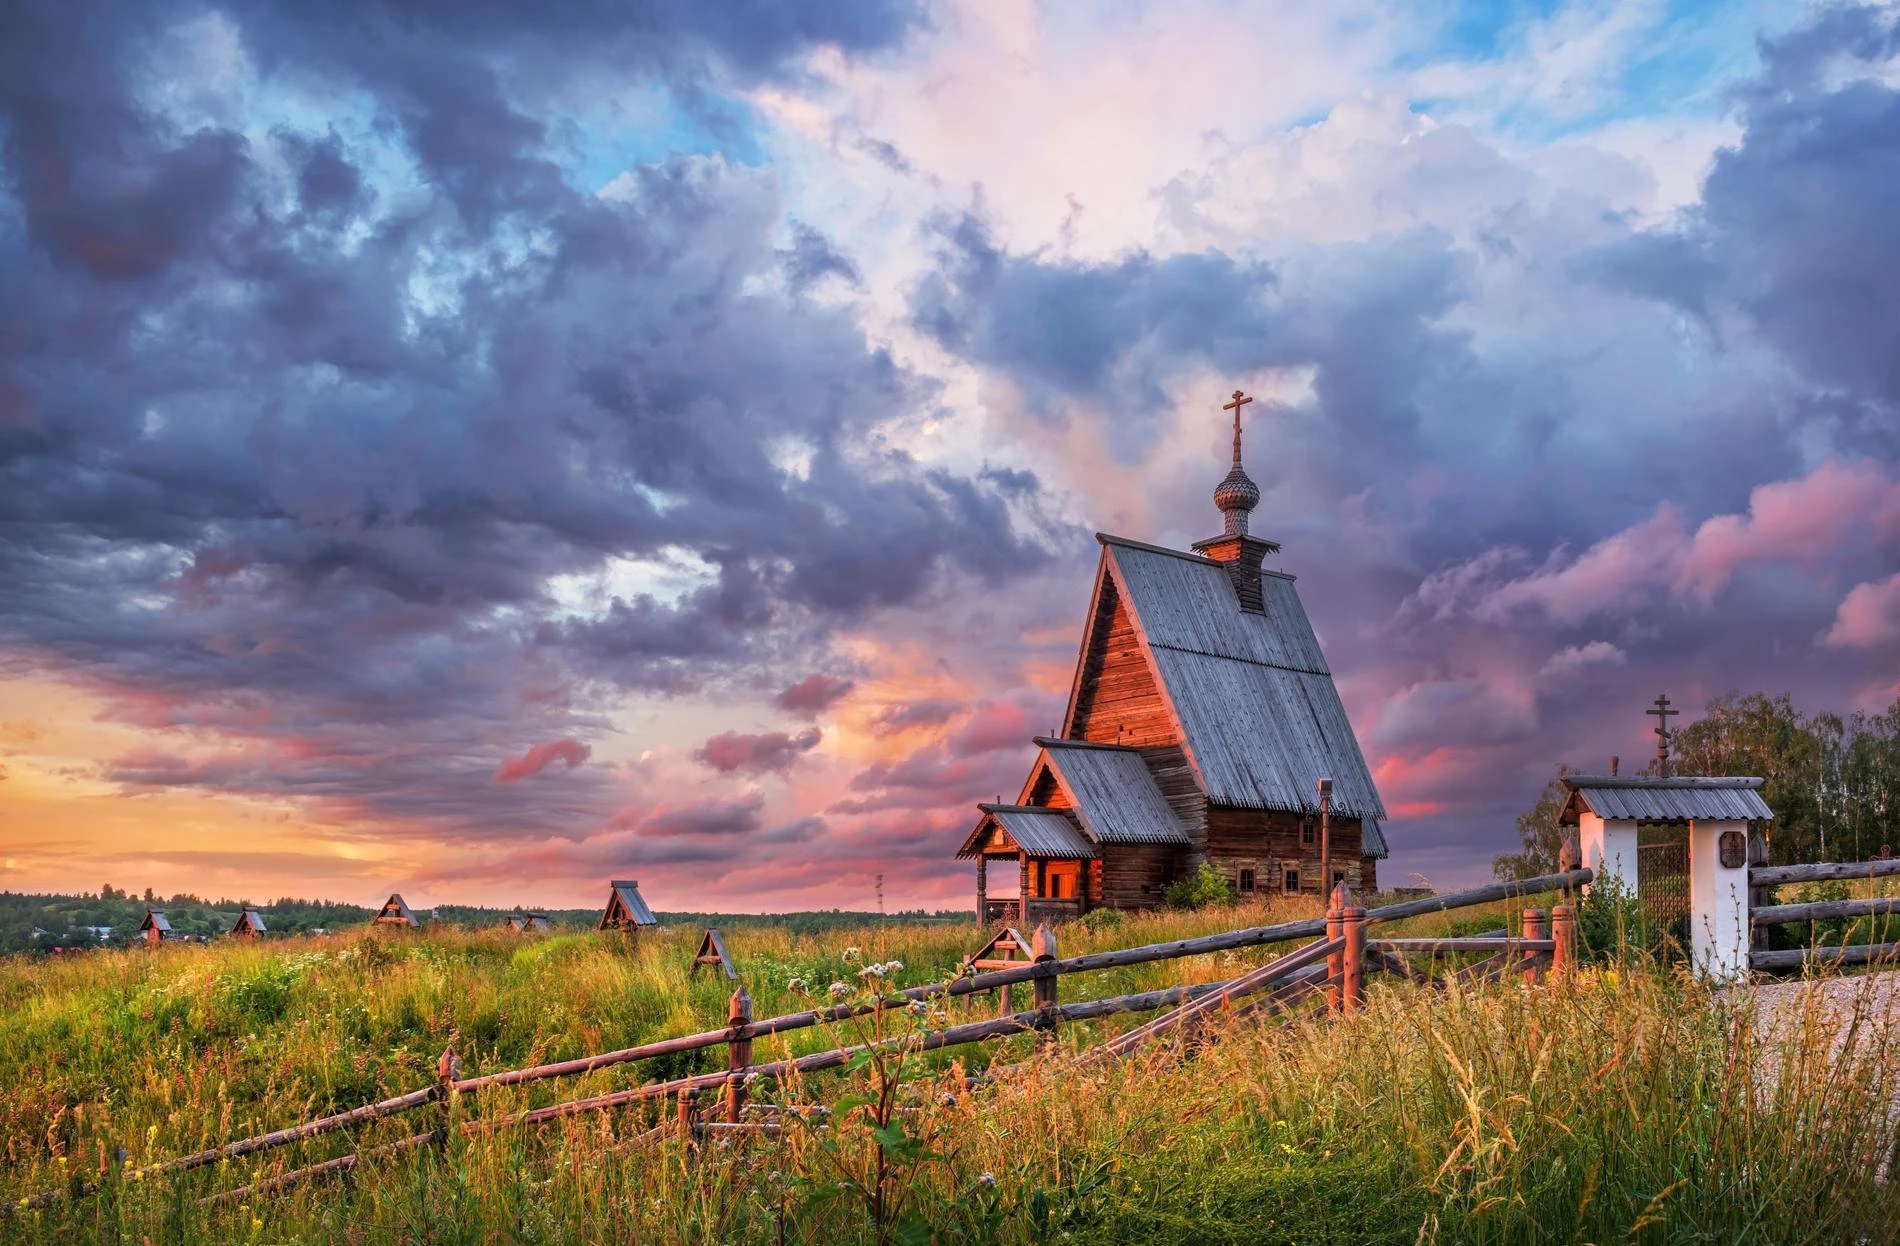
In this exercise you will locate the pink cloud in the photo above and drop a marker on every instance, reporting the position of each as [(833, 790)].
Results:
[(756, 754), (1868, 616), (813, 695), (1821, 522), (540, 757)]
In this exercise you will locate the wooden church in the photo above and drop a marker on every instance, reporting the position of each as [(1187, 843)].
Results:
[(1201, 719)]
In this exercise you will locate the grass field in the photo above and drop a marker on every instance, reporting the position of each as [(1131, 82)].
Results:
[(1630, 1104)]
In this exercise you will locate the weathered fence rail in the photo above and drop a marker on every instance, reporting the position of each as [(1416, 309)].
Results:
[(1823, 872), (1824, 910), (1762, 913), (1344, 946)]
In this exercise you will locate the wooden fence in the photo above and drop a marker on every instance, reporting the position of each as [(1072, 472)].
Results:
[(1763, 879), (1545, 943)]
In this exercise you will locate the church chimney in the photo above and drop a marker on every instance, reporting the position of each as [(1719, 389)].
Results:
[(1236, 496)]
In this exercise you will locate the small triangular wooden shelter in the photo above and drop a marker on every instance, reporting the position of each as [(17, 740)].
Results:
[(625, 909), (1006, 951), (512, 921), (395, 913), (712, 951), (249, 924), (155, 929)]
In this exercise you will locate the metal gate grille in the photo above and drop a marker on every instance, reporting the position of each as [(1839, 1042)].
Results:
[(1662, 884)]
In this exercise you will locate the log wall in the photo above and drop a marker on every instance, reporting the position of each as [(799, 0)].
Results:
[(1120, 702)]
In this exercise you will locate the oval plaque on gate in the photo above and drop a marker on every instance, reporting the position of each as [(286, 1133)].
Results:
[(1732, 850)]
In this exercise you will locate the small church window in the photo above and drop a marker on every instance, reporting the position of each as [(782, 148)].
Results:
[(1246, 880), (1290, 881)]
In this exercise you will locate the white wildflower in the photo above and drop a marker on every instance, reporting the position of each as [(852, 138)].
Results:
[(796, 984), (987, 1181), (839, 990)]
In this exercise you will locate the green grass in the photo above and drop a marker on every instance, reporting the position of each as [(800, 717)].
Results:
[(1630, 1105)]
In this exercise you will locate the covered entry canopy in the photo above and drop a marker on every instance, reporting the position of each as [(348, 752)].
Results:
[(1680, 798), (1033, 832)]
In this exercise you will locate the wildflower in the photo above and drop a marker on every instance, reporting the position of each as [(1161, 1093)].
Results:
[(918, 1008), (893, 966), (796, 984), (987, 1181), (256, 1225), (852, 953), (62, 1161), (871, 971), (839, 990)]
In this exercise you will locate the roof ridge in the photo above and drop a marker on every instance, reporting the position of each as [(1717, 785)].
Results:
[(1050, 741), (1658, 781)]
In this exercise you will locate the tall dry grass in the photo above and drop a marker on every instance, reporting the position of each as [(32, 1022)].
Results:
[(1632, 1104)]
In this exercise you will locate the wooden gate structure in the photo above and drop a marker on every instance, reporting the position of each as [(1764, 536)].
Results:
[(1329, 972), (1662, 887)]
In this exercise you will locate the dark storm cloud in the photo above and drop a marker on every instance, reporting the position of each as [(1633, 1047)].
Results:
[(291, 457), (1110, 335), (1796, 228)]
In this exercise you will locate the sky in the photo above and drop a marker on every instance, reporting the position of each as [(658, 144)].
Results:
[(482, 449)]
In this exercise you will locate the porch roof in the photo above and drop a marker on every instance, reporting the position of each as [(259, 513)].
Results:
[(1039, 834)]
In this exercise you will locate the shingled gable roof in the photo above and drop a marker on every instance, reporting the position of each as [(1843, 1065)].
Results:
[(632, 906), (1112, 791), (155, 920), (1249, 693)]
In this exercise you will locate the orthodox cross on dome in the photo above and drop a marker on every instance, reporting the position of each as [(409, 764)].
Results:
[(1240, 400), (1237, 494), (1662, 713)]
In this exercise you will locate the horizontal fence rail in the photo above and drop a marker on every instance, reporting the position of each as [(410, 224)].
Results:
[(1804, 958), (1824, 872), (1189, 1003), (1824, 910)]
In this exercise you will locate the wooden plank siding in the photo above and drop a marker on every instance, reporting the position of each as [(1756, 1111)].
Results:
[(1175, 777), (1132, 876), (1262, 840), (1119, 701)]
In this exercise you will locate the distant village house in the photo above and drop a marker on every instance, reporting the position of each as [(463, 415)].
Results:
[(249, 924)]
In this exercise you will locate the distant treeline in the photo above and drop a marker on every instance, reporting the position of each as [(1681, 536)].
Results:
[(111, 917)]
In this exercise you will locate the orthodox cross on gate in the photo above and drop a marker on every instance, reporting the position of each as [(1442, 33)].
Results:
[(1662, 713), (1240, 400)]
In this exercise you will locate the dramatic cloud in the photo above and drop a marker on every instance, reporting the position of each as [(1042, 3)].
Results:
[(401, 406), (756, 754), (1869, 615)]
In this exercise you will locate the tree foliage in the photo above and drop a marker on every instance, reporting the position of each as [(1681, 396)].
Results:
[(1833, 782), (1540, 834)]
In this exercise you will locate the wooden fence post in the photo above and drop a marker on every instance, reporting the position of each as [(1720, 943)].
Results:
[(687, 1098), (448, 1071), (1563, 931), (1336, 961), (1352, 928), (738, 1052), (1042, 946), (1536, 926), (1758, 897)]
